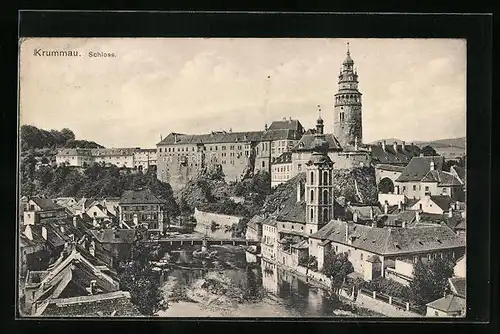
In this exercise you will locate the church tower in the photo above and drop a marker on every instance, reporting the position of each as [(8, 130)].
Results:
[(319, 183), (347, 124)]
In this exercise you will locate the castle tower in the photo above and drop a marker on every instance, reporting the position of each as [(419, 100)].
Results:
[(319, 184), (347, 124)]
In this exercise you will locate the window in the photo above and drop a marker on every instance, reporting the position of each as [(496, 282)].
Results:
[(325, 196), (326, 180), (361, 256), (311, 198), (312, 178), (426, 188), (263, 164), (420, 206), (436, 313), (404, 188), (311, 214), (414, 187)]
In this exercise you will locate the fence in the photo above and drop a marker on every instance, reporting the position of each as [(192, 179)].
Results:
[(385, 304)]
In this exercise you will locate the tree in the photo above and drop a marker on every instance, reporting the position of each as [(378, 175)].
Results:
[(428, 151), (337, 267), (140, 280), (430, 280), (67, 134), (386, 186)]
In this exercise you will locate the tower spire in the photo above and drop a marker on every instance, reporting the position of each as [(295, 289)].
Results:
[(348, 52)]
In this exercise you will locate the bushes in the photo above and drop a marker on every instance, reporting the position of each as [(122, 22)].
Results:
[(388, 287)]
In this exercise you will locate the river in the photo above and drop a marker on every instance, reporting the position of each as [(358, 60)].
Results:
[(269, 291)]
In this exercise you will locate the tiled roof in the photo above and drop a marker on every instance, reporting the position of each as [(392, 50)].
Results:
[(442, 178), (363, 211), (212, 138), (74, 151), (102, 305), (285, 157), (142, 196), (306, 143), (418, 167), (449, 303), (114, 151), (114, 236), (301, 245), (293, 211), (391, 241), (286, 124), (45, 203), (442, 201), (389, 156), (390, 168), (281, 134), (458, 285)]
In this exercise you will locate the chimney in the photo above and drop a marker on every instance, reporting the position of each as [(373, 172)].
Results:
[(403, 224), (92, 248), (175, 137), (374, 224), (417, 216), (298, 191), (44, 232), (74, 221), (371, 213), (403, 145), (386, 209), (265, 127), (61, 228), (355, 143), (94, 222), (27, 232), (395, 146), (92, 288), (450, 212), (346, 232), (135, 220), (432, 165), (383, 145), (400, 206)]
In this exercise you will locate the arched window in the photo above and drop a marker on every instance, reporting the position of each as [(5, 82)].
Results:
[(326, 179), (325, 197), (325, 215), (311, 214), (312, 195), (312, 177)]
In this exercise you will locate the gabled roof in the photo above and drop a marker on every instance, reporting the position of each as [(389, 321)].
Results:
[(292, 211), (306, 143), (141, 196), (391, 241), (459, 172), (282, 134), (285, 157), (389, 156), (442, 178), (458, 286), (443, 202), (449, 303), (364, 211), (45, 203), (418, 167)]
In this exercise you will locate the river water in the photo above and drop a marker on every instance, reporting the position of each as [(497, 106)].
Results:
[(270, 291)]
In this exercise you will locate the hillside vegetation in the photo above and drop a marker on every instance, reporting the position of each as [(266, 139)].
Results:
[(33, 138), (94, 181)]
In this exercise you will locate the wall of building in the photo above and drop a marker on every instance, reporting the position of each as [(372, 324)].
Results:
[(225, 223), (427, 205), (391, 199), (381, 174), (269, 244), (280, 173), (432, 312)]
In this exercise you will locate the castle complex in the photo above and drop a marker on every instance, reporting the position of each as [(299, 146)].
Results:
[(283, 148)]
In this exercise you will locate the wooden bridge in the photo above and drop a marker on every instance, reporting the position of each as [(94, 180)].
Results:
[(204, 241)]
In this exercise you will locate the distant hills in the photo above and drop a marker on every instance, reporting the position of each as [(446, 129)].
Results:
[(440, 143)]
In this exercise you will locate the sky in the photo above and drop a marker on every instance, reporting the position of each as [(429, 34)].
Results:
[(413, 89)]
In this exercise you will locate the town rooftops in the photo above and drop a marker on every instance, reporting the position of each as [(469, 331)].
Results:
[(211, 138), (46, 204), (449, 303), (391, 241), (364, 211), (400, 156), (139, 196), (306, 143), (418, 167), (459, 172), (442, 201), (114, 151), (74, 151), (281, 134), (114, 236), (292, 211)]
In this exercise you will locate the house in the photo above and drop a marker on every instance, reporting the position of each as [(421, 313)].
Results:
[(452, 304), (281, 169), (141, 206), (100, 213), (437, 204), (425, 176), (269, 243), (75, 273), (33, 253), (362, 214), (254, 228), (111, 246), (39, 209), (367, 245), (388, 171)]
